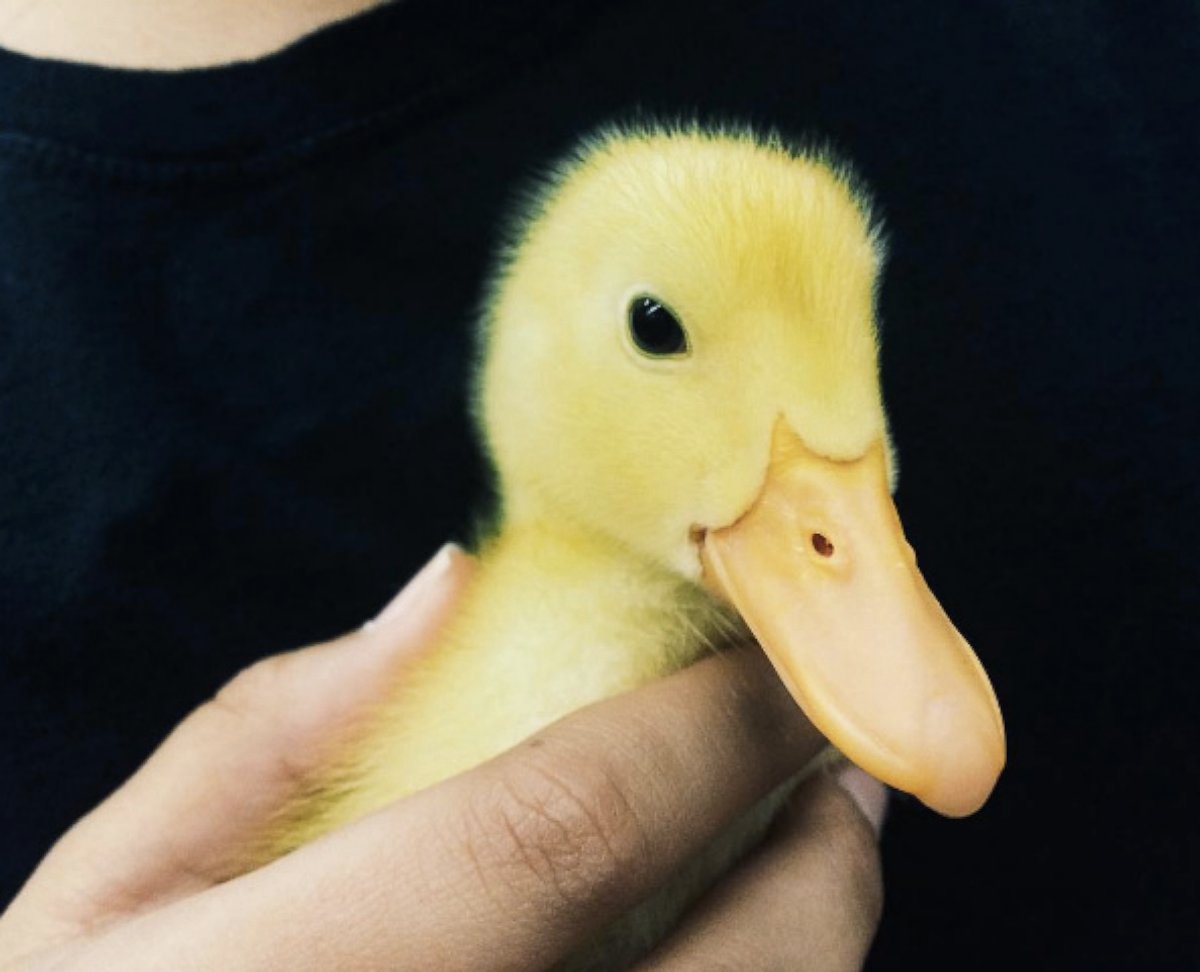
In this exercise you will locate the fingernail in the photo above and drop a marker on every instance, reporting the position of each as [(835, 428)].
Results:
[(425, 581), (868, 794)]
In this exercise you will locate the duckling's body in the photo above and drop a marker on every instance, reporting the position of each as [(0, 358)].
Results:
[(536, 637), (679, 392)]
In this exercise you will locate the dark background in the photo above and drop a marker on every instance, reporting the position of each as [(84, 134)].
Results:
[(234, 309)]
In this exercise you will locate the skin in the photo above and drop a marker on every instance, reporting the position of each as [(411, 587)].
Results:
[(508, 866), (164, 36)]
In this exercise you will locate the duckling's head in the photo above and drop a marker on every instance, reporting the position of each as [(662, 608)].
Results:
[(681, 356)]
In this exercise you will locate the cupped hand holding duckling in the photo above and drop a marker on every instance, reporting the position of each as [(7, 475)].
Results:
[(509, 866)]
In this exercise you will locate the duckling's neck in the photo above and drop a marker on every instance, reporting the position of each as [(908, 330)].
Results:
[(555, 619), (581, 606)]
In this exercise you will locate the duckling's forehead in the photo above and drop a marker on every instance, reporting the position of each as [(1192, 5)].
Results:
[(733, 199), (765, 254), (723, 225)]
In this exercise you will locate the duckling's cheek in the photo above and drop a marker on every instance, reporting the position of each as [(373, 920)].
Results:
[(821, 573)]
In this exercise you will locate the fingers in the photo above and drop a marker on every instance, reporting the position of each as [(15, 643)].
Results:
[(512, 865), (185, 820), (809, 898)]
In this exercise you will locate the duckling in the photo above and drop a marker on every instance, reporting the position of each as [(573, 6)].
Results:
[(678, 388)]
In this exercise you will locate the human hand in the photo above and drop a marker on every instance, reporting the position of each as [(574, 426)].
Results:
[(511, 865)]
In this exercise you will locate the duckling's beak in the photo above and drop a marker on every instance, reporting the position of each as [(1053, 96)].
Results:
[(821, 572)]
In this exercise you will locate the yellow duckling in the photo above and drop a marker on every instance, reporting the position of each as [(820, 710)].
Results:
[(679, 391)]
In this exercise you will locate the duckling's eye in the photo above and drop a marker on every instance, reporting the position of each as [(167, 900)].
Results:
[(654, 329)]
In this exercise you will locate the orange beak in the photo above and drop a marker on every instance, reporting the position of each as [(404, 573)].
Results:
[(821, 572)]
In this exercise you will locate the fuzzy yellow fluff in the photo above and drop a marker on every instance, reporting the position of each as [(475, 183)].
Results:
[(607, 458)]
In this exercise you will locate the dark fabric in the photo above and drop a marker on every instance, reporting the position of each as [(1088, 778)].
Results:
[(234, 318)]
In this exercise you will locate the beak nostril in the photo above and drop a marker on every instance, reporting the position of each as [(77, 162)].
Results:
[(821, 545)]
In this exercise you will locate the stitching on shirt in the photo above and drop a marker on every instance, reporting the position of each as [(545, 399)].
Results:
[(262, 162)]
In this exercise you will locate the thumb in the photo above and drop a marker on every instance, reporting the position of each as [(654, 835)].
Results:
[(191, 816)]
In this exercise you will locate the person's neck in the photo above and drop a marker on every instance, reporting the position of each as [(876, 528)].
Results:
[(164, 36)]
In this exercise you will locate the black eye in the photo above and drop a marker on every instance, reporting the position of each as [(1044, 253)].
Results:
[(654, 329)]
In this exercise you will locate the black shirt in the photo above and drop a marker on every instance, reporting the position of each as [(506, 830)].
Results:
[(235, 308)]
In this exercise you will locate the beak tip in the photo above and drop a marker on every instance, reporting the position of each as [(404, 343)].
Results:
[(971, 756), (960, 797)]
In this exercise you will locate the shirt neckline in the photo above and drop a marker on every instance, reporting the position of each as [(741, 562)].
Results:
[(351, 75)]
